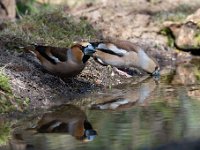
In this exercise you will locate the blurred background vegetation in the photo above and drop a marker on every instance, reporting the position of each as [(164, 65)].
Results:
[(44, 23), (35, 6), (30, 7)]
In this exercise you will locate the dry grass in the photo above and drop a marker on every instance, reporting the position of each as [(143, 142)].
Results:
[(54, 28)]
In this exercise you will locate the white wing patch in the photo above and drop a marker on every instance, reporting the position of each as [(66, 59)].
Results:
[(100, 61), (114, 105), (55, 58), (113, 48), (102, 46), (118, 103), (55, 125)]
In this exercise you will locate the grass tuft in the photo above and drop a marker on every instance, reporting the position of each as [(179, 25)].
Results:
[(5, 131), (54, 28), (4, 83), (8, 101), (167, 32)]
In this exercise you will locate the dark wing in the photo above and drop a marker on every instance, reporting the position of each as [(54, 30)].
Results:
[(53, 54), (60, 53)]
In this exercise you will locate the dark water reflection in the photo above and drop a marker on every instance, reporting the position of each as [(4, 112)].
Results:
[(161, 114)]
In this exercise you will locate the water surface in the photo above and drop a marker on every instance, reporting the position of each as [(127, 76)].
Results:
[(141, 116)]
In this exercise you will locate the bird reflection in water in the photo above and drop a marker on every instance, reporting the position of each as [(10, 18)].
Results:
[(119, 98), (67, 119)]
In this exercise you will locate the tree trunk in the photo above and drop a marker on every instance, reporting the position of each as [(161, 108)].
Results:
[(7, 9)]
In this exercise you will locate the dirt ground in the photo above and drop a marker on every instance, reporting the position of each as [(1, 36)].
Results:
[(138, 21)]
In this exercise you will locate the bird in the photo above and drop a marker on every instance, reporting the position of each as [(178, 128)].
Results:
[(124, 54), (63, 62), (68, 119)]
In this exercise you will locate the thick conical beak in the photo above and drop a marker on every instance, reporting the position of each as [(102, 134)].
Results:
[(89, 50), (156, 73)]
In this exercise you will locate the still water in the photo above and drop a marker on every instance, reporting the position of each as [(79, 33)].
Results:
[(142, 116)]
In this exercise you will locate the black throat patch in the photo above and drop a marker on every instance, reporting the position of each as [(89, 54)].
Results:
[(85, 58)]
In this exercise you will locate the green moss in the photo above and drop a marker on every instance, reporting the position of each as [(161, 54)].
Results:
[(197, 39), (8, 101), (196, 68), (5, 129), (167, 78), (197, 73), (25, 7), (4, 83), (198, 24), (167, 32)]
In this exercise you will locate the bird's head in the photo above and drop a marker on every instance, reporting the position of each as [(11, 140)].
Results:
[(83, 51), (87, 48)]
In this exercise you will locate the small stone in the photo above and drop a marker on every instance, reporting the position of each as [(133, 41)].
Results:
[(98, 81)]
